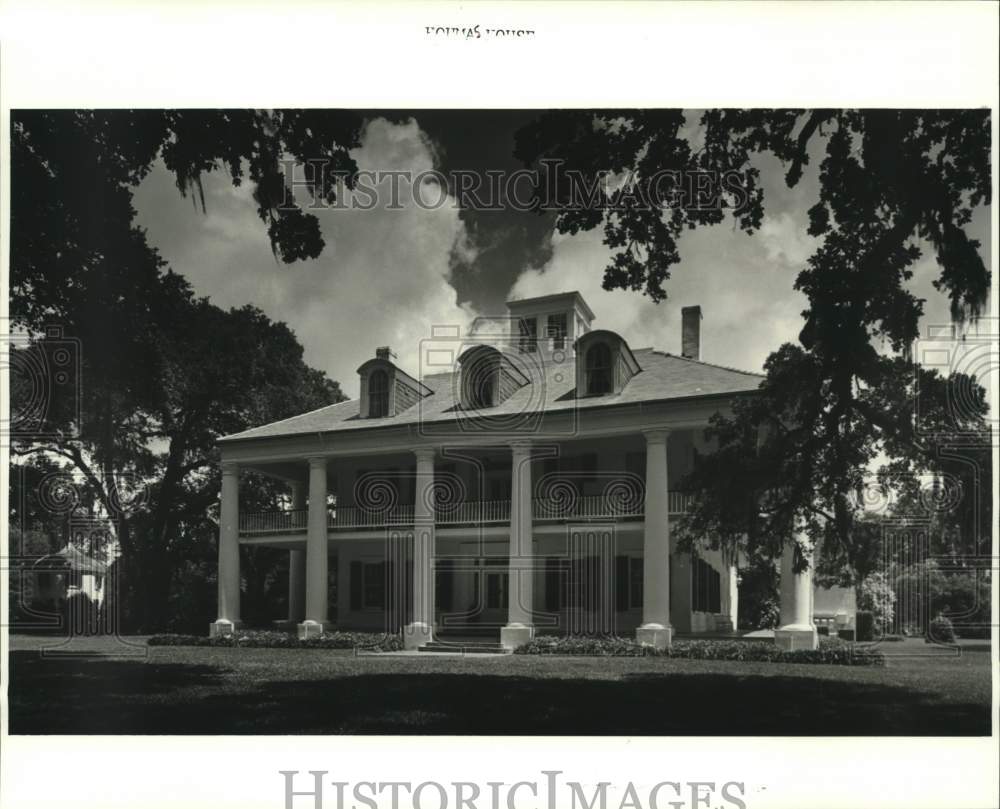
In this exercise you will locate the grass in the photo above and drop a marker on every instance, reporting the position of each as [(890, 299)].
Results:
[(277, 691)]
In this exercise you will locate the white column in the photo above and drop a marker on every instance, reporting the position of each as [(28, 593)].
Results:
[(796, 630), (520, 626), (297, 564), (734, 596), (421, 628), (229, 553), (656, 630), (316, 552)]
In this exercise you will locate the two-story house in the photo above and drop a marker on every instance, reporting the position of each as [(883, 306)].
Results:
[(525, 481)]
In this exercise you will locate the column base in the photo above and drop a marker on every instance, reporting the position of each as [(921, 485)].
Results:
[(310, 629), (796, 637), (658, 636), (223, 628), (416, 635), (514, 635)]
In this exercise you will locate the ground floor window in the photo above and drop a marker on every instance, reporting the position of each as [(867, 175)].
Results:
[(554, 577), (367, 585), (628, 583), (579, 583), (706, 587), (496, 585), (444, 584)]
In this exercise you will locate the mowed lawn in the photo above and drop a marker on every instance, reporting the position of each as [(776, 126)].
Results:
[(181, 690)]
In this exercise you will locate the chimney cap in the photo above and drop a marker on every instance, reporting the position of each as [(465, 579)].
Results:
[(696, 309), (384, 353)]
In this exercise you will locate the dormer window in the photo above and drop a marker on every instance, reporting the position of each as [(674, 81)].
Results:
[(599, 378), (378, 394), (480, 378), (387, 390), (487, 377), (604, 363)]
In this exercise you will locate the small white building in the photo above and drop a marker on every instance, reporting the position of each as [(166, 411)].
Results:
[(529, 487), (65, 573)]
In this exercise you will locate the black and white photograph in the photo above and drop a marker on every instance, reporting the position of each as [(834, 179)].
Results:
[(486, 420)]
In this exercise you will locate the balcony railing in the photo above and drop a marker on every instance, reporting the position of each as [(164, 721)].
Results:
[(287, 521), (473, 512)]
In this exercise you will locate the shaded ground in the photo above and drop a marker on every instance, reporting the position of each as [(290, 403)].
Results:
[(222, 691)]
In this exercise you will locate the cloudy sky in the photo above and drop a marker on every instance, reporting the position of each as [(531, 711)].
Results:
[(387, 276)]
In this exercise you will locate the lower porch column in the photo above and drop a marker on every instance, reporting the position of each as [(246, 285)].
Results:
[(796, 629), (316, 552), (734, 596), (297, 565), (656, 630), (520, 625), (421, 628), (229, 553)]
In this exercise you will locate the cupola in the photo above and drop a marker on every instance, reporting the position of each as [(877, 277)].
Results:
[(549, 323)]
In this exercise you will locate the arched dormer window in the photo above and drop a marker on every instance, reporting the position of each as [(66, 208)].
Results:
[(604, 363), (387, 390), (482, 384), (378, 394), (487, 378), (599, 371)]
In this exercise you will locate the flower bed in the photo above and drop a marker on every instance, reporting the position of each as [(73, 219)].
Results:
[(271, 639), (830, 651)]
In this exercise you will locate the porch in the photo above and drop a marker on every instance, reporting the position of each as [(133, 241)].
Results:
[(571, 536)]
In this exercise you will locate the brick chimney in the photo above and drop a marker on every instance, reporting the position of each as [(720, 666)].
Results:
[(384, 353), (691, 332)]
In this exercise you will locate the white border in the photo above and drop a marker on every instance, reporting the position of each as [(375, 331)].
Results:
[(584, 54)]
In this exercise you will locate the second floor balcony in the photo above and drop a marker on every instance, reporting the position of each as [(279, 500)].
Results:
[(469, 513)]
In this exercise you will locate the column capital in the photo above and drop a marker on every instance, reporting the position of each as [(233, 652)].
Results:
[(425, 453), (657, 436), (520, 446), (230, 468), (317, 461)]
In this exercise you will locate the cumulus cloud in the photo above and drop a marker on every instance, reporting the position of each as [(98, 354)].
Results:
[(383, 278), (785, 239), (385, 275)]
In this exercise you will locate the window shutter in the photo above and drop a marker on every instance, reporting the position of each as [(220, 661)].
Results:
[(621, 583), (357, 585), (552, 584), (715, 590), (391, 595), (636, 568), (444, 585)]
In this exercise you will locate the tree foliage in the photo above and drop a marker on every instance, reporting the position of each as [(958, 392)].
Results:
[(795, 459), (164, 373)]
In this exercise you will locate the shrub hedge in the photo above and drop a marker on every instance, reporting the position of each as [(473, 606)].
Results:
[(273, 639), (831, 650), (941, 631)]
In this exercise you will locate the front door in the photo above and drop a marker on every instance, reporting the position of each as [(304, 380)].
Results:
[(472, 595)]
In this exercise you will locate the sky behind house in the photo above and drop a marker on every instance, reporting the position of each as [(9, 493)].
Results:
[(387, 276)]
